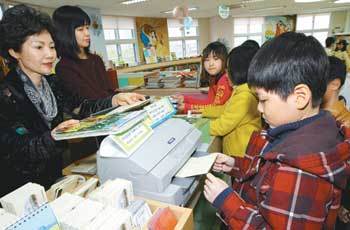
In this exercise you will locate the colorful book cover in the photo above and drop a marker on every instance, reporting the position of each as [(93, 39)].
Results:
[(101, 125)]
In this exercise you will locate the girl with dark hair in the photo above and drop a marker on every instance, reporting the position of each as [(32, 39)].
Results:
[(32, 102), (82, 72), (213, 74)]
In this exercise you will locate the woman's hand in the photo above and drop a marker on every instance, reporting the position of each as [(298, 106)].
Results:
[(223, 163), (127, 98), (213, 186), (65, 125)]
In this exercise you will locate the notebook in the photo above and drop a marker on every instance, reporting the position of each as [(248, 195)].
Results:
[(40, 218)]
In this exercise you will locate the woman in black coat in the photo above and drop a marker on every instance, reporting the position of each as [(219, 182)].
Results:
[(32, 103)]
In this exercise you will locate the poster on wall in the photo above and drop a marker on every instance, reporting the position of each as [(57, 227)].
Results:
[(153, 39), (277, 25)]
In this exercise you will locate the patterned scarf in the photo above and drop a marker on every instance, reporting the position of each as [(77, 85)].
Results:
[(42, 97)]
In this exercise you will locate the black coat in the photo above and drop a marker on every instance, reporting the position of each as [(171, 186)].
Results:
[(27, 151)]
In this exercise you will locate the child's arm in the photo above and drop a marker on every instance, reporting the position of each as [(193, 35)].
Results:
[(237, 108), (213, 111), (288, 199)]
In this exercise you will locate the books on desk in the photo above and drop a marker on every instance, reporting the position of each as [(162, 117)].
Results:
[(101, 125)]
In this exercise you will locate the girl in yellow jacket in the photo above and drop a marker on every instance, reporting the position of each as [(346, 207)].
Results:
[(238, 118)]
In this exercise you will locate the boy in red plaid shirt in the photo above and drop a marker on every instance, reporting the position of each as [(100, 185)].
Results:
[(292, 174)]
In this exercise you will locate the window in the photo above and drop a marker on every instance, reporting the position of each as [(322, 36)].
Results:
[(119, 33), (1, 11), (183, 42), (247, 28), (316, 25)]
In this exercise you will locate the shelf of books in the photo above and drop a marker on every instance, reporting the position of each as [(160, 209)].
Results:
[(148, 67), (166, 75)]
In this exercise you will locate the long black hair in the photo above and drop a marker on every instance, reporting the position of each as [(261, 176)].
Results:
[(219, 50), (66, 19)]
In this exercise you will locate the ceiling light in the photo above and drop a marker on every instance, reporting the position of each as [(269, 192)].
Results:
[(171, 11), (342, 1), (132, 2), (306, 1), (269, 8)]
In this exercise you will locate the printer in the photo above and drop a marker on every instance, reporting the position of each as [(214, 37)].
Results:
[(152, 167)]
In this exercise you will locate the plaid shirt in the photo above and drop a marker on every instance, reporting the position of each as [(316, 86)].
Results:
[(272, 191)]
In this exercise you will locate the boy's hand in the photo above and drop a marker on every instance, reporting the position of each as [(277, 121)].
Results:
[(213, 187), (127, 98), (223, 163)]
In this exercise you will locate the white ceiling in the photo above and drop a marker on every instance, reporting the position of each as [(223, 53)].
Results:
[(207, 8)]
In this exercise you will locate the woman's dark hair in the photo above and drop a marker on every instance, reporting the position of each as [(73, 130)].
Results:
[(251, 43), (344, 43), (16, 25), (219, 50), (287, 61), (66, 19), (238, 63)]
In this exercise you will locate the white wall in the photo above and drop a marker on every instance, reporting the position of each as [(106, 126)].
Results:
[(221, 29), (204, 33), (337, 22), (97, 37)]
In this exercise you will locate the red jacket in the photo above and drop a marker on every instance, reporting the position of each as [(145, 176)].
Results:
[(218, 94), (296, 185)]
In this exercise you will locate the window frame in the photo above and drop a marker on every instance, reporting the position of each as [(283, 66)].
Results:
[(183, 38), (117, 41), (248, 34), (313, 30)]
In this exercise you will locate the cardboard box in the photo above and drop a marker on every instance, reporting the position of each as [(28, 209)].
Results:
[(184, 215)]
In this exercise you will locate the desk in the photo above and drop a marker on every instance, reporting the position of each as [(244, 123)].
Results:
[(214, 145)]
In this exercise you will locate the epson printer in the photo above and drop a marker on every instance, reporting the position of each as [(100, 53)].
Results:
[(152, 167)]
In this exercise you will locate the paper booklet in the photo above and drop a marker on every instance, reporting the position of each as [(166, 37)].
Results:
[(159, 111), (197, 166), (101, 125), (130, 141), (41, 218)]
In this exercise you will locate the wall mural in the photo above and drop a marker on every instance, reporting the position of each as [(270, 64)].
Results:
[(277, 25), (153, 39)]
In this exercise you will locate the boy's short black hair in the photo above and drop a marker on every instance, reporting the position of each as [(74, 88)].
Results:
[(287, 61), (17, 24), (330, 41), (251, 43), (238, 63), (66, 19), (337, 70)]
